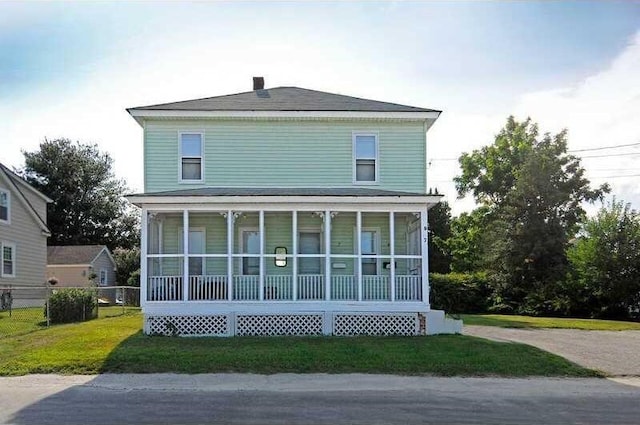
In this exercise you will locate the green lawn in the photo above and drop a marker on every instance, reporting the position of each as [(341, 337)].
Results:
[(509, 321), (25, 320), (116, 344)]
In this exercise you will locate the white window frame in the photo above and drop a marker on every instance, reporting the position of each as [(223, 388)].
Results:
[(354, 136), (8, 220), (322, 255), (106, 277), (180, 179), (11, 245), (201, 229)]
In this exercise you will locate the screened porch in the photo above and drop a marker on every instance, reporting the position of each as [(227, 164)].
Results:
[(284, 256)]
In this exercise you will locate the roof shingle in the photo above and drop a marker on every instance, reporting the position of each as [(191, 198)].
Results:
[(283, 99), (73, 254)]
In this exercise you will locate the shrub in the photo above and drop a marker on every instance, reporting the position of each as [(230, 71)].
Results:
[(460, 292), (73, 305)]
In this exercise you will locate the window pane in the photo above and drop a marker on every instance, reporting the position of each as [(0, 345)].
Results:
[(191, 145), (365, 147), (365, 170), (191, 169), (368, 242), (369, 267), (4, 206), (7, 256)]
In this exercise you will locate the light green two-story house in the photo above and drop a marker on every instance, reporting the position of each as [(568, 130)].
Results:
[(285, 211)]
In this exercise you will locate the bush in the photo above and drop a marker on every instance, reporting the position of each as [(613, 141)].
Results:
[(460, 292), (73, 305)]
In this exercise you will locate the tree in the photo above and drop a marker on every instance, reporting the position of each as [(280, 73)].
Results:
[(465, 244), (440, 230), (127, 264), (533, 191), (88, 207), (606, 263)]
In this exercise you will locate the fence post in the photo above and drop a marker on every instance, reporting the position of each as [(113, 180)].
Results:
[(47, 295), (123, 298)]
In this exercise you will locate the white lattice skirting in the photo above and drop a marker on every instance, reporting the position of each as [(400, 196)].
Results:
[(343, 324)]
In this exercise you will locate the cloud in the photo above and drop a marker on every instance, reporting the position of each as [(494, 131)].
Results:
[(601, 110)]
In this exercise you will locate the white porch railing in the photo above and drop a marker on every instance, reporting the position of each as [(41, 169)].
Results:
[(344, 287), (165, 288), (280, 287), (408, 288), (208, 288)]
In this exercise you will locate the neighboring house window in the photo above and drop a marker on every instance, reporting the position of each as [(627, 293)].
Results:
[(4, 205), (191, 158), (365, 153), (8, 260), (103, 278)]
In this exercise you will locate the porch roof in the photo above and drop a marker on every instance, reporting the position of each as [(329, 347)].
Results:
[(282, 191), (283, 195)]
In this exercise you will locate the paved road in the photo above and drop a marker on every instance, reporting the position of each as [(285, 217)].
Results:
[(617, 353), (313, 399)]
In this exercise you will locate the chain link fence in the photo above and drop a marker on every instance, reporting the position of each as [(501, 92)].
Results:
[(24, 309)]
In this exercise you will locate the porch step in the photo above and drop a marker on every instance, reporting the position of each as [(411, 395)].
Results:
[(438, 323)]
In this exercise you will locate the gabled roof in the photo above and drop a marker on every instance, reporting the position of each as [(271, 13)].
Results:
[(283, 99), (75, 254), (19, 185)]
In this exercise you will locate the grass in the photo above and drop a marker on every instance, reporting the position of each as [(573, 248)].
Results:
[(25, 320), (117, 345), (509, 321)]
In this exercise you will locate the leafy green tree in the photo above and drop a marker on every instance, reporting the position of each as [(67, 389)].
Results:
[(533, 191), (465, 242), (88, 206), (440, 230), (127, 264), (606, 262)]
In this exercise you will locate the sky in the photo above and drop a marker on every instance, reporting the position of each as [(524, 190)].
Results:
[(71, 69)]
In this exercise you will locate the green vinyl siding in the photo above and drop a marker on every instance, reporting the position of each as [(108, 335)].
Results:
[(253, 153)]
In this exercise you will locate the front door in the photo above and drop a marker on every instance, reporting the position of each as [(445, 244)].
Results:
[(250, 245), (309, 243)]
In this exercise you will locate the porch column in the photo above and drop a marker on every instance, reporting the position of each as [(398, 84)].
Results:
[(294, 259), (185, 252), (327, 252), (143, 256), (424, 225), (261, 290), (359, 252), (230, 255), (392, 253)]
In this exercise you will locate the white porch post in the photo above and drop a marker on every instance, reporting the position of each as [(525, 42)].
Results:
[(424, 225), (327, 252), (294, 231), (143, 257), (185, 252), (392, 253), (359, 252), (230, 255), (261, 290)]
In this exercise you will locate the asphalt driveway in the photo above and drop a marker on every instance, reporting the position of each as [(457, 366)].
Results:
[(616, 353)]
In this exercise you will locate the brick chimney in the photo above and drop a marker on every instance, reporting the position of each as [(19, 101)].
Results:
[(258, 83)]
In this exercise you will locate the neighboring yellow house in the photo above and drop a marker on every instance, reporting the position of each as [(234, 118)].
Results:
[(76, 265)]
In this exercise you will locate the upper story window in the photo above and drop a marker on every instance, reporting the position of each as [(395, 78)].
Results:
[(191, 157), (365, 158), (4, 206)]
